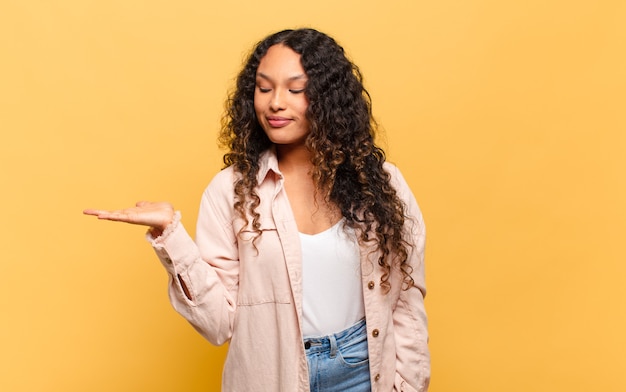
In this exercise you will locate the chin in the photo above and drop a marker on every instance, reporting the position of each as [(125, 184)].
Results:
[(282, 139)]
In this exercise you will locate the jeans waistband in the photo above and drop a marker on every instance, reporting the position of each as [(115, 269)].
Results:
[(330, 342)]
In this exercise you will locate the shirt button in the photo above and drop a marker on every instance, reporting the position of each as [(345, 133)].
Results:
[(377, 377), (375, 333), (371, 285)]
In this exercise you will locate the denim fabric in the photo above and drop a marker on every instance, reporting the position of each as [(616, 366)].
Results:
[(339, 362)]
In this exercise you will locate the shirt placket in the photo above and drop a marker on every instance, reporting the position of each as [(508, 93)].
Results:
[(290, 243)]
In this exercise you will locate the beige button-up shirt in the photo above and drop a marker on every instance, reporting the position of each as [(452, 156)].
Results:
[(252, 298)]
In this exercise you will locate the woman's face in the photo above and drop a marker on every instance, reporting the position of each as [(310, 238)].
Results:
[(279, 99)]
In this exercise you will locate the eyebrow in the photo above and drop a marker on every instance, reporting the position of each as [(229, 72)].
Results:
[(295, 77)]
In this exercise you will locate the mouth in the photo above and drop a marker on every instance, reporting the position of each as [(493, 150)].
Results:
[(278, 122)]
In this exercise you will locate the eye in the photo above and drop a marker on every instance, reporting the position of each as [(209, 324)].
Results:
[(264, 89), (296, 91)]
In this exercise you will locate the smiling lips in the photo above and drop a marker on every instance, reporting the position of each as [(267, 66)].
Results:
[(278, 122)]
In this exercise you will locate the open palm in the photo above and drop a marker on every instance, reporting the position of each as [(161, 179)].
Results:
[(154, 214)]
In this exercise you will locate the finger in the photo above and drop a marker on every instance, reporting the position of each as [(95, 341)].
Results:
[(120, 216), (91, 211), (142, 203), (117, 215)]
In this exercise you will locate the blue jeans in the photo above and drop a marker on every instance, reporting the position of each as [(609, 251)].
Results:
[(339, 362)]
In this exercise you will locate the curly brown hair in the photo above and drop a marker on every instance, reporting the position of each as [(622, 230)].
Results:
[(347, 164)]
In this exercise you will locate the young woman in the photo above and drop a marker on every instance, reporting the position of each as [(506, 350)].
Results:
[(308, 257)]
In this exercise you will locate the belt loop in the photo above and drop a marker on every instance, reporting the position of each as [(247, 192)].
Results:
[(333, 346)]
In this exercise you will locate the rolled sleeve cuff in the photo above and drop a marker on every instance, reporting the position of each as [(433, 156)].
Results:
[(174, 247)]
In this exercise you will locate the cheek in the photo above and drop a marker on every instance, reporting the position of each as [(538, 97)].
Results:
[(258, 107), (303, 106)]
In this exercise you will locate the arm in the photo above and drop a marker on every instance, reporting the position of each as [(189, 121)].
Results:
[(203, 278), (411, 336), (409, 315), (204, 274)]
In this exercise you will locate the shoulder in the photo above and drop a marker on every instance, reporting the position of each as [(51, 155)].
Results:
[(403, 190), (390, 168), (222, 182), (397, 179), (218, 198), (219, 193)]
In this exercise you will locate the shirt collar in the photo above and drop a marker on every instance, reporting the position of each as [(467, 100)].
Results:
[(268, 162)]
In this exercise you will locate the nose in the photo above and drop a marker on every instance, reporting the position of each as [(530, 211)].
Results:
[(278, 102)]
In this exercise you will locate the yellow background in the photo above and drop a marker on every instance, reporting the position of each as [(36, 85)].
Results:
[(507, 118)]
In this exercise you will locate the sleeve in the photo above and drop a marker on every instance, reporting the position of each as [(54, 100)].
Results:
[(203, 275), (409, 316)]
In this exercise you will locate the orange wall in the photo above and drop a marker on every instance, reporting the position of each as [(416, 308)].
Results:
[(507, 119)]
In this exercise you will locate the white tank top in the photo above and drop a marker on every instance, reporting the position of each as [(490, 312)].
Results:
[(331, 281)]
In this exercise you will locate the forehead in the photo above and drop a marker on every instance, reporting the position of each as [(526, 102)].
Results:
[(279, 62)]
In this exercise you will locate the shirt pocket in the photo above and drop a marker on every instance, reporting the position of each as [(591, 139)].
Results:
[(263, 275)]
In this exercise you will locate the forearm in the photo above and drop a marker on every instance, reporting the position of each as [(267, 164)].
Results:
[(411, 336), (195, 288)]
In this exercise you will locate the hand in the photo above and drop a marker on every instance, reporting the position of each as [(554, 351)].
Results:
[(156, 215)]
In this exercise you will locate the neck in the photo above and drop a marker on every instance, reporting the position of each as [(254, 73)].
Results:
[(293, 158)]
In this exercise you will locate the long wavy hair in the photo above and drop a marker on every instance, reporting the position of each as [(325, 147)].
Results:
[(347, 164)]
